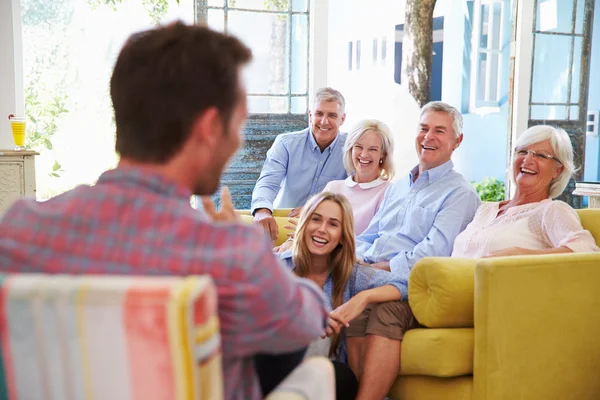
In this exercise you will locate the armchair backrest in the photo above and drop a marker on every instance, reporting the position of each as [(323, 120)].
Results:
[(590, 219), (120, 337)]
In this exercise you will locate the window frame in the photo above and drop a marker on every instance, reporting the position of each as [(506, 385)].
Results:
[(476, 51), (201, 8)]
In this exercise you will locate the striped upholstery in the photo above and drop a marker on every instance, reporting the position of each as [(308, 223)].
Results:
[(67, 337)]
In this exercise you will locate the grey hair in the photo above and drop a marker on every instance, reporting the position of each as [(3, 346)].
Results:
[(561, 146), (330, 94), (387, 148), (440, 106)]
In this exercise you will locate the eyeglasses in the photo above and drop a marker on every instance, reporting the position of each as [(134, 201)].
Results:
[(536, 154)]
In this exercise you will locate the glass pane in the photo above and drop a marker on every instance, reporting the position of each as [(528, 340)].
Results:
[(267, 104), (484, 26), (375, 49), (274, 5), (350, 54), (496, 26), (383, 50), (555, 16), (549, 112), (299, 54), (299, 5), (216, 3), (550, 69), (216, 20), (492, 93), (358, 48), (579, 17), (481, 77), (266, 35), (299, 105), (576, 70), (573, 112)]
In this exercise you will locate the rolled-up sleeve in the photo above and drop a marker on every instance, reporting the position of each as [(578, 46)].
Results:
[(370, 278), (273, 172)]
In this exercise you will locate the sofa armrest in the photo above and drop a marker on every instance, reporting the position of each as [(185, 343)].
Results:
[(440, 292), (537, 330)]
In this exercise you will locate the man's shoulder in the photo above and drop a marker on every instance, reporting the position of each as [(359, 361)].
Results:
[(293, 137), (460, 183)]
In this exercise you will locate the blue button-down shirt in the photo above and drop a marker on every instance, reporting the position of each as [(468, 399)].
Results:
[(296, 165), (419, 219)]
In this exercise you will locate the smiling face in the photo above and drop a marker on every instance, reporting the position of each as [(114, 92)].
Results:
[(436, 140), (323, 231), (534, 173), (326, 117), (367, 153)]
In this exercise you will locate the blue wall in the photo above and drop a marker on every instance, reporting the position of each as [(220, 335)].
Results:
[(592, 148)]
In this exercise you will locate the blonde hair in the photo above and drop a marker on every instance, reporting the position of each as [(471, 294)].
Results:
[(387, 146), (341, 259)]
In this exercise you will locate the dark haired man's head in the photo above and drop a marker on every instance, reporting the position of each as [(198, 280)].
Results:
[(180, 101)]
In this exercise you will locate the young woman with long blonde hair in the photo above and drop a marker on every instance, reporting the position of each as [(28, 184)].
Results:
[(324, 252)]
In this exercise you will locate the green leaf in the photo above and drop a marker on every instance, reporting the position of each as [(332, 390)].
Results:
[(56, 166)]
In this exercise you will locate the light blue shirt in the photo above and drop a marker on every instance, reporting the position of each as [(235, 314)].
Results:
[(296, 165), (362, 278), (419, 219)]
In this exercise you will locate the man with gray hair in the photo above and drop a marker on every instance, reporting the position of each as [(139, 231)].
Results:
[(419, 216), (302, 163)]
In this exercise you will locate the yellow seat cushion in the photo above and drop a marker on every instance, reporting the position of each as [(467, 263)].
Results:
[(278, 212), (440, 292), (282, 234), (432, 388), (437, 352)]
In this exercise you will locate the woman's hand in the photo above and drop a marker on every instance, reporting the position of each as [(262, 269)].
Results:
[(285, 246), (350, 309)]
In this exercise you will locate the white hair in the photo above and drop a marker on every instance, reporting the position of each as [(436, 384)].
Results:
[(387, 146), (330, 94), (561, 146), (440, 106)]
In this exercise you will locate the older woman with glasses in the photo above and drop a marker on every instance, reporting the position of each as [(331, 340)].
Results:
[(531, 222)]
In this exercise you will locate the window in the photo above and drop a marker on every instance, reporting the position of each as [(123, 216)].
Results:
[(277, 33), (488, 36)]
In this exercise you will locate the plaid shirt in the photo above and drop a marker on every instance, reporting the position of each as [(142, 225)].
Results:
[(135, 223)]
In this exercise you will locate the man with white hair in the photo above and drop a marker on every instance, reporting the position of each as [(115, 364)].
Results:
[(419, 216)]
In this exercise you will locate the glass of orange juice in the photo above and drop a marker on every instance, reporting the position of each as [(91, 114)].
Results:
[(18, 131)]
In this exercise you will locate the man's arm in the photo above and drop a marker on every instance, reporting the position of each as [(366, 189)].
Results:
[(272, 310), (455, 214), (271, 176)]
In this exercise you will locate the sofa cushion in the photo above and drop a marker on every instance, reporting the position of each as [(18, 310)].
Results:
[(437, 352), (432, 388), (440, 292)]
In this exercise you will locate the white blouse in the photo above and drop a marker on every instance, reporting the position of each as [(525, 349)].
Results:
[(543, 225)]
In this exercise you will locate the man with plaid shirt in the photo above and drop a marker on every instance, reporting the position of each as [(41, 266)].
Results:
[(179, 103)]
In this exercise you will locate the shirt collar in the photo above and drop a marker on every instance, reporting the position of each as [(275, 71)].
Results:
[(313, 143), (432, 174), (365, 185), (151, 181)]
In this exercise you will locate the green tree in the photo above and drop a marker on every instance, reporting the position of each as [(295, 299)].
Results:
[(156, 9)]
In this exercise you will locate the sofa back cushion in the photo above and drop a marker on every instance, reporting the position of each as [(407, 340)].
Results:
[(590, 219)]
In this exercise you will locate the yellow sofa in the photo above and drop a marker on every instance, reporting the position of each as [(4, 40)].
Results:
[(281, 217), (505, 328)]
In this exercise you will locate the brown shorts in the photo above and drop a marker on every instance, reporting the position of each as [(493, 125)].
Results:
[(390, 319)]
